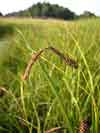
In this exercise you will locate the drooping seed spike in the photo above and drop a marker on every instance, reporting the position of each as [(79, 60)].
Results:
[(36, 56), (67, 59)]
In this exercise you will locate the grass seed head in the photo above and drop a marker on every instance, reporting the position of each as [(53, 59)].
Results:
[(67, 59), (84, 126), (36, 56)]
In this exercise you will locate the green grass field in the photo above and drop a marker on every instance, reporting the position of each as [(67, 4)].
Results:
[(54, 95)]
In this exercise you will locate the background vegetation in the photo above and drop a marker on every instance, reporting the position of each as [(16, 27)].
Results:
[(47, 10)]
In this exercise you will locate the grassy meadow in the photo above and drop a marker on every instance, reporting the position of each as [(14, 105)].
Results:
[(55, 94)]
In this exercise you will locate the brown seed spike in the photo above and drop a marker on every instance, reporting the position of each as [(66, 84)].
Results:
[(84, 126), (31, 62), (67, 59), (36, 56)]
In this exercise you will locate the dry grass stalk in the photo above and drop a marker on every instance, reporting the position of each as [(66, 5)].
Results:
[(54, 129), (84, 126), (2, 91), (36, 56)]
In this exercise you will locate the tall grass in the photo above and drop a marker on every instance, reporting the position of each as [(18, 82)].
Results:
[(54, 95)]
